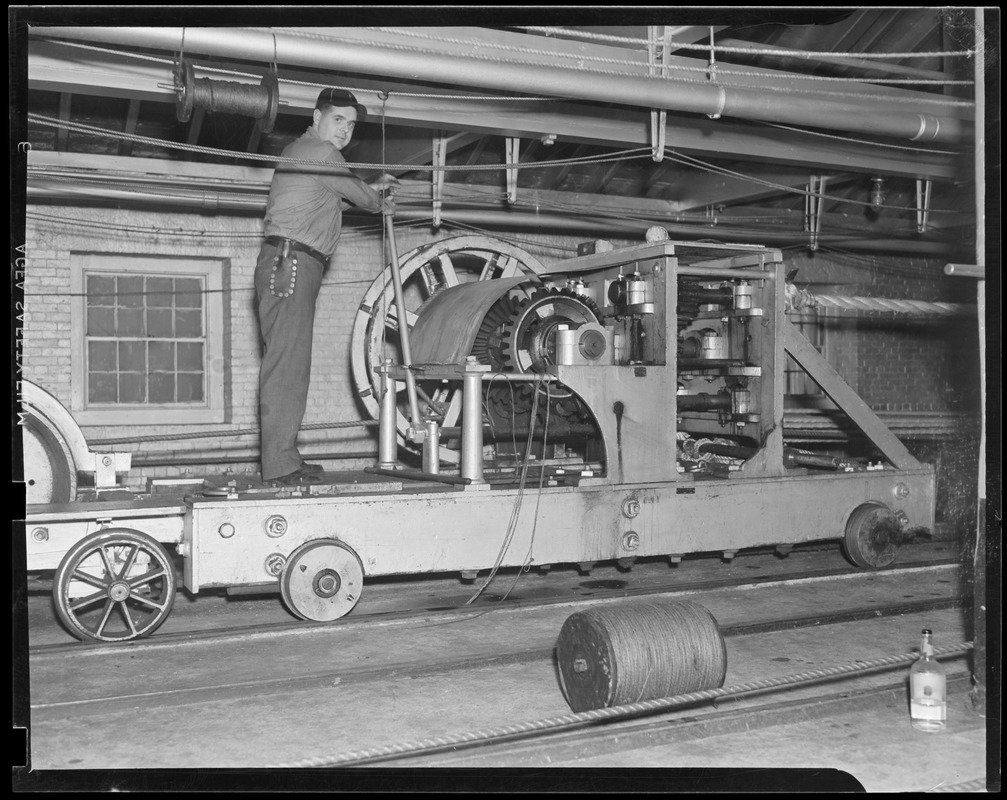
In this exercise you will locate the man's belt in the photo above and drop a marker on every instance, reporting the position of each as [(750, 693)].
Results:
[(279, 241)]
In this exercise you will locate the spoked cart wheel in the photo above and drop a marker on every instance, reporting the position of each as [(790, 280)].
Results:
[(114, 585), (425, 271), (872, 536), (322, 580)]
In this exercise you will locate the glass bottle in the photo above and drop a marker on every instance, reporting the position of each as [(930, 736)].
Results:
[(927, 688)]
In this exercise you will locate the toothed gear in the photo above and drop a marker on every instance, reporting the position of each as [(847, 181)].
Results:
[(486, 346), (528, 339)]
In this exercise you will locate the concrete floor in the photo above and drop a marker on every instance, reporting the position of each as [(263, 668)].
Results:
[(288, 697)]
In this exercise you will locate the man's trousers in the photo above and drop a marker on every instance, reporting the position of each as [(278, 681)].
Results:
[(286, 324)]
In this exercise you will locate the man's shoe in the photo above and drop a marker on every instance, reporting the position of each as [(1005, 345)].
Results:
[(312, 469), (297, 478)]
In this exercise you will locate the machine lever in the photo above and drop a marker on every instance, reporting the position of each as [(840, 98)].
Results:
[(400, 306)]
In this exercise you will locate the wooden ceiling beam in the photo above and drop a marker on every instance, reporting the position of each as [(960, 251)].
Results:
[(132, 119)]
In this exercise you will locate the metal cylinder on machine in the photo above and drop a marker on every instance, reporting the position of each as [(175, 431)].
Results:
[(589, 344), (636, 290), (388, 422), (431, 447), (633, 652), (704, 402), (472, 428)]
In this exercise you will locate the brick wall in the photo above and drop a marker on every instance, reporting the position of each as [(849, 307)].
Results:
[(54, 233), (898, 366)]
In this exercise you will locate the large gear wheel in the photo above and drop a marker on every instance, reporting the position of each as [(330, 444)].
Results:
[(527, 341)]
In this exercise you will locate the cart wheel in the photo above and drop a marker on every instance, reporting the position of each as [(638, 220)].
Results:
[(322, 580), (114, 585), (872, 536)]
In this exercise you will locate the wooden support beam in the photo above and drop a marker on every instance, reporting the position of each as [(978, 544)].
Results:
[(62, 134), (132, 118), (599, 182), (195, 128), (565, 170), (254, 138)]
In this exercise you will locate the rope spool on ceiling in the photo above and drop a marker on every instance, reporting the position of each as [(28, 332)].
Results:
[(226, 97)]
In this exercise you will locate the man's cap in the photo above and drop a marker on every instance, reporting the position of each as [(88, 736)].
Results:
[(341, 99)]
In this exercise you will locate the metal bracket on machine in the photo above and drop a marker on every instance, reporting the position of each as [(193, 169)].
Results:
[(440, 151), (657, 57), (513, 155), (814, 200), (922, 204)]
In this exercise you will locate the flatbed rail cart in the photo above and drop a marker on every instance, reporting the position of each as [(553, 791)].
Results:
[(621, 404)]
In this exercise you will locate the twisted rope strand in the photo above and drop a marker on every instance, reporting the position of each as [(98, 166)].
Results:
[(566, 721)]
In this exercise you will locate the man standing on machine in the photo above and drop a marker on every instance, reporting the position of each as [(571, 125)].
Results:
[(302, 226)]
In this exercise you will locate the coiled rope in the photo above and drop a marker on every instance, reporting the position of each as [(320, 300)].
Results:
[(610, 656), (615, 713)]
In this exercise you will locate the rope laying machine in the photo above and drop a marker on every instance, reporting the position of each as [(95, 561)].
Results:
[(620, 404)]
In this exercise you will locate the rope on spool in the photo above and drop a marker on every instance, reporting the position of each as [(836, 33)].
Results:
[(640, 651), (226, 97)]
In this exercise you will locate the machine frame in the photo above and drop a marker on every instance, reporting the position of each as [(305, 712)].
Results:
[(639, 502)]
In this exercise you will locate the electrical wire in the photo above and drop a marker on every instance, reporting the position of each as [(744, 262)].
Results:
[(52, 122), (518, 499)]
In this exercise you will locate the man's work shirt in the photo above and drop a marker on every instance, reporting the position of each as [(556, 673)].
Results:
[(305, 200)]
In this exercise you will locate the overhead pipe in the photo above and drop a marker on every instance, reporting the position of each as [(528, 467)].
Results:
[(529, 220), (875, 116)]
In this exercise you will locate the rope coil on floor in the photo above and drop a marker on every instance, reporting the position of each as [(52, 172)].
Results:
[(611, 656), (615, 713)]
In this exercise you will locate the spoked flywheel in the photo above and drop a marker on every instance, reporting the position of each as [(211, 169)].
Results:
[(425, 271)]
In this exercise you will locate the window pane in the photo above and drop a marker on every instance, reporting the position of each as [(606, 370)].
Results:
[(100, 321), (130, 291), (146, 336), (132, 357), (159, 321), (131, 387), (190, 357), (100, 290), (130, 322), (188, 324), (101, 387), (162, 387), (159, 292), (190, 387), (188, 293), (101, 356), (161, 356)]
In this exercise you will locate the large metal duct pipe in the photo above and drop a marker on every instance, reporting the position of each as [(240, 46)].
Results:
[(869, 115)]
